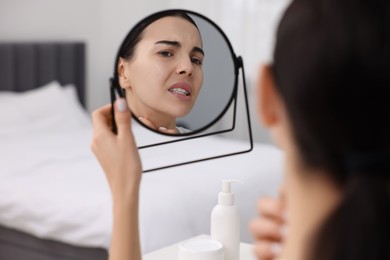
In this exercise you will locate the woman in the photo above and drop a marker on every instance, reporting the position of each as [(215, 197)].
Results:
[(160, 69), (326, 101)]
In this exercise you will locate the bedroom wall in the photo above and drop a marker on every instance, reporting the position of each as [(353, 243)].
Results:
[(102, 24), (45, 20)]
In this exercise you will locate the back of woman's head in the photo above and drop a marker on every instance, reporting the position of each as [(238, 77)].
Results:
[(331, 68)]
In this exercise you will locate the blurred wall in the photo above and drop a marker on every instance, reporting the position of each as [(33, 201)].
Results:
[(102, 24)]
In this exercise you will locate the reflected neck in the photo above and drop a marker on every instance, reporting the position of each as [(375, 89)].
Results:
[(157, 118)]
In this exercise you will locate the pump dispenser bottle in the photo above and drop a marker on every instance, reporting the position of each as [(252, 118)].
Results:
[(225, 222)]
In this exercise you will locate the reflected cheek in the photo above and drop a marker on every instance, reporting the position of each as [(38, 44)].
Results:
[(198, 83)]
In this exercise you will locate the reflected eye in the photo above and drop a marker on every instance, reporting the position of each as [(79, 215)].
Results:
[(166, 53), (196, 61)]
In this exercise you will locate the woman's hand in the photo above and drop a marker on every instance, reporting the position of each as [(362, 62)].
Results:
[(268, 229), (117, 154), (119, 158), (150, 124)]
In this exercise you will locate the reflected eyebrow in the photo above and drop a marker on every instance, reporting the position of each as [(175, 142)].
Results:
[(173, 43), (198, 49), (177, 44)]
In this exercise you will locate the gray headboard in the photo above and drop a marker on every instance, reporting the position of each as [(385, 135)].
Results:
[(24, 66)]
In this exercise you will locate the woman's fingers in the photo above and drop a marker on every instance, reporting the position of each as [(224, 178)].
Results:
[(267, 229), (162, 129), (101, 121), (271, 208), (168, 131), (117, 154), (266, 250), (122, 117), (147, 122), (101, 118)]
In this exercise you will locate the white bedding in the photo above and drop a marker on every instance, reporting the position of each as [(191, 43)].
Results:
[(51, 185)]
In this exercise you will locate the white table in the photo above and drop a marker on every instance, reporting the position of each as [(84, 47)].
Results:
[(171, 252)]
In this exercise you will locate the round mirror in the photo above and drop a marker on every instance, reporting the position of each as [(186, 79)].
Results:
[(177, 71)]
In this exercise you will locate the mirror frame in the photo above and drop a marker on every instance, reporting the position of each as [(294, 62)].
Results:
[(115, 80), (115, 91)]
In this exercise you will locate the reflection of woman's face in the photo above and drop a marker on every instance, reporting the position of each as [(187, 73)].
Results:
[(165, 75)]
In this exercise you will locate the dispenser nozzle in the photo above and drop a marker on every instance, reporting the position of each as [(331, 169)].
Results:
[(226, 185), (226, 197)]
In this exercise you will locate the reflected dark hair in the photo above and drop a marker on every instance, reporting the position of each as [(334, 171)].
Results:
[(133, 38), (331, 68)]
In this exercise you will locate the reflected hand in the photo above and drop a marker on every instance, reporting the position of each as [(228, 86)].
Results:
[(149, 124), (267, 229)]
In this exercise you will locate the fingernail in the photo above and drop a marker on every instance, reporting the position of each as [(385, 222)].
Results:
[(162, 128), (121, 105)]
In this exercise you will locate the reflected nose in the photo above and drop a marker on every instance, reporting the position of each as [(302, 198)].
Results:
[(185, 67)]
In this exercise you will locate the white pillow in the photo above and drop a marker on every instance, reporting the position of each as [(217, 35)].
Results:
[(16, 107), (39, 92), (50, 106), (73, 106)]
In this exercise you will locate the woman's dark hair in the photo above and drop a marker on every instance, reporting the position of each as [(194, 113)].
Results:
[(331, 68), (128, 46)]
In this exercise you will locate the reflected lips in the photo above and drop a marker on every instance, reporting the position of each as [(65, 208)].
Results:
[(181, 90)]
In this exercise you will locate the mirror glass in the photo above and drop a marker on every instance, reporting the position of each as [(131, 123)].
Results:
[(177, 71)]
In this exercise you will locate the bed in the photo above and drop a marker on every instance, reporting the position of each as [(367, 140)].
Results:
[(54, 200)]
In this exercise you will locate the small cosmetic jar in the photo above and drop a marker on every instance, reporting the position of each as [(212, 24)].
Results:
[(201, 249)]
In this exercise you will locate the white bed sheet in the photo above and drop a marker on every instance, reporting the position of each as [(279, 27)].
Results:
[(51, 186)]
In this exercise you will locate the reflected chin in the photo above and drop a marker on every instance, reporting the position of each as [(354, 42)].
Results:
[(180, 110)]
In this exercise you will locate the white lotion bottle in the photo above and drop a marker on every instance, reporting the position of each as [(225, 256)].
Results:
[(225, 222)]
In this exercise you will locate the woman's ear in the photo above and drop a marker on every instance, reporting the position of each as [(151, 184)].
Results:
[(268, 99), (122, 73)]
